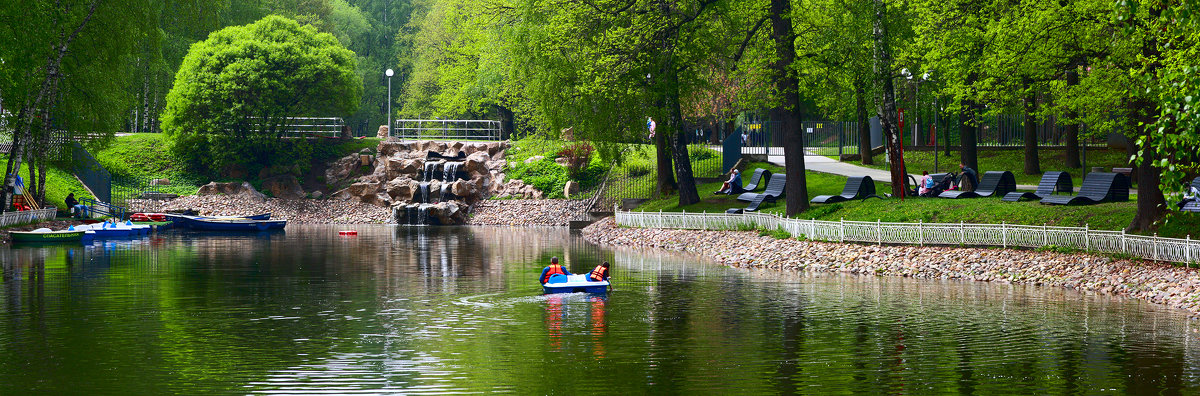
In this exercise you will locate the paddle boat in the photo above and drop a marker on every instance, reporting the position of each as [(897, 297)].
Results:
[(45, 235), (559, 283)]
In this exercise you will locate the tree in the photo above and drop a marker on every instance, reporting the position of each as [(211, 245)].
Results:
[(887, 104), (245, 82), (788, 112)]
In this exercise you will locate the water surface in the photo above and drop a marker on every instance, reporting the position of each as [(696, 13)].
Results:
[(457, 310)]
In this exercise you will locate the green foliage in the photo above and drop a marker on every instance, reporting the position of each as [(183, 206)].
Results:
[(544, 174), (235, 91)]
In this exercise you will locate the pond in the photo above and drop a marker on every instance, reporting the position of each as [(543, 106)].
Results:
[(412, 310)]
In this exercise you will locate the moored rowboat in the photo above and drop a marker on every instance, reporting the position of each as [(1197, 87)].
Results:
[(45, 235)]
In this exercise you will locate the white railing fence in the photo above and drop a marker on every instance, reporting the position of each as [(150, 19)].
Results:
[(27, 216), (446, 129), (1002, 235)]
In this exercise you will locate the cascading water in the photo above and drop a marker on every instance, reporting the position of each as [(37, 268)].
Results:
[(422, 195), (444, 195), (430, 171), (450, 170), (423, 214)]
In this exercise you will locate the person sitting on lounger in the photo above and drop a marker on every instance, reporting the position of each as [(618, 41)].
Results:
[(971, 177), (926, 183), (735, 176), (600, 273), (1192, 195), (553, 268)]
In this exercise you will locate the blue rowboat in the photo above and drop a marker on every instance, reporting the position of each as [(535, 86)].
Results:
[(210, 224), (108, 230), (178, 220), (559, 283)]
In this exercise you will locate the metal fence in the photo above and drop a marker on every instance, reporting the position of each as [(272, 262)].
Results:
[(446, 129), (27, 216), (91, 173), (1003, 235)]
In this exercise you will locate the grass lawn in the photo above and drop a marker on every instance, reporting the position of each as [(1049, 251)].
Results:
[(1107, 216), (1010, 160), (59, 183)]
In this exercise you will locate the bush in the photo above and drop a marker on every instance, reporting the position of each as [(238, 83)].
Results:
[(578, 156), (544, 175)]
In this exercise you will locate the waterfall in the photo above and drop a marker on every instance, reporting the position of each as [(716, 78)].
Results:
[(423, 214), (430, 173), (410, 214), (423, 193), (444, 195), (450, 170)]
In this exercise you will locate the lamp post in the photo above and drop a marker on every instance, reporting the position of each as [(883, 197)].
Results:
[(389, 74)]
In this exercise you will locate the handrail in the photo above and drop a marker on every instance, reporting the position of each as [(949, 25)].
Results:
[(921, 233), (104, 208)]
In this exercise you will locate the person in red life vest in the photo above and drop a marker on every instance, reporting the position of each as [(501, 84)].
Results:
[(600, 273), (554, 268)]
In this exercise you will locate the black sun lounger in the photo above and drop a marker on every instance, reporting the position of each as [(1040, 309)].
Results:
[(1051, 183), (1097, 187), (1193, 206), (759, 175), (856, 187), (773, 192), (993, 183)]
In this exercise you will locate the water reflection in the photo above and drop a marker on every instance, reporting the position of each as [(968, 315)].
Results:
[(448, 310)]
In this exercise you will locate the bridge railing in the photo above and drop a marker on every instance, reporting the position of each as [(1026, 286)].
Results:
[(27, 216), (962, 234), (446, 129)]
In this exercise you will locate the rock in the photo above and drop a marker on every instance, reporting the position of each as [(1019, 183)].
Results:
[(463, 188), (341, 170), (285, 187), (533, 159), (383, 132), (563, 162), (401, 189), (571, 188), (317, 195), (476, 165), (160, 182), (241, 190), (403, 167)]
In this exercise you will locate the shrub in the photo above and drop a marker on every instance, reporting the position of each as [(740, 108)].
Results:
[(578, 156)]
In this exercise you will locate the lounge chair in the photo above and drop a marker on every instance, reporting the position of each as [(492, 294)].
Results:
[(1193, 206), (993, 183), (856, 187), (1097, 187), (1051, 183), (755, 180), (773, 191)]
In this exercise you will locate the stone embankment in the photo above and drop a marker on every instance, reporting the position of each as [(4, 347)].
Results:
[(526, 212), (1165, 284), (296, 211)]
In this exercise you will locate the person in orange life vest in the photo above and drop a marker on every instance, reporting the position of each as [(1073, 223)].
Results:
[(554, 268), (600, 273)]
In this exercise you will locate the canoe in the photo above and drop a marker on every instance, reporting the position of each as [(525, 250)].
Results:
[(560, 283), (45, 235), (210, 224)]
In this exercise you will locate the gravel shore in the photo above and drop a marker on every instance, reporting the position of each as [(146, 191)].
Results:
[(525, 212), (296, 211), (1165, 284)]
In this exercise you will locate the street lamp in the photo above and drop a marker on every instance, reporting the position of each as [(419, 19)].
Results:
[(389, 74)]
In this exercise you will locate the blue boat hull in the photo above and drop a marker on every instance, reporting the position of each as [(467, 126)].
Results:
[(235, 225), (183, 221)]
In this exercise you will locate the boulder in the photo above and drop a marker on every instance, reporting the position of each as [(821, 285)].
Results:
[(317, 195), (241, 190), (563, 162), (476, 165), (388, 148), (463, 188), (286, 187), (160, 182), (571, 188), (383, 132), (403, 167), (341, 170), (449, 213), (401, 189), (533, 159)]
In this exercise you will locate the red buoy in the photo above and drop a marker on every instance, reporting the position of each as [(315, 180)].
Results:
[(348, 232)]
